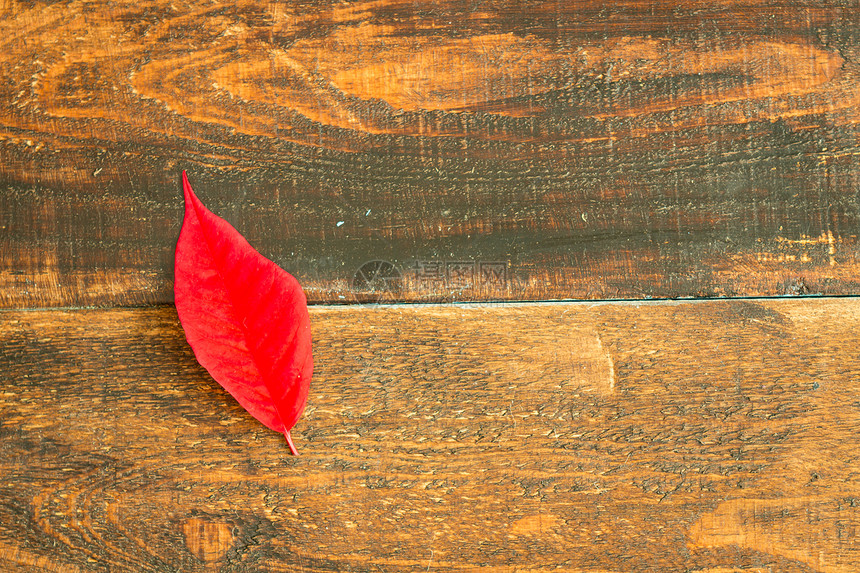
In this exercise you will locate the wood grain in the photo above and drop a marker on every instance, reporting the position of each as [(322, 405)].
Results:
[(595, 149), (709, 437)]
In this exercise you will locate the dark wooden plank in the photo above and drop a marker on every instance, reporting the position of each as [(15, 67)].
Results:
[(714, 436), (591, 149)]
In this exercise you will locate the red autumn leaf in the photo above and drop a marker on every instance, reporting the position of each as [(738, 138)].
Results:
[(245, 318)]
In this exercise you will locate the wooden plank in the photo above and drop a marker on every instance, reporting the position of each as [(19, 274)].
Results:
[(713, 436), (501, 150)]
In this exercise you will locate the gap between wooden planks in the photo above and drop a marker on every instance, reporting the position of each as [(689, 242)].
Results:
[(708, 436)]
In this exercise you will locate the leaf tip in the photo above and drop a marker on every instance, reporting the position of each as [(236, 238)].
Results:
[(186, 187)]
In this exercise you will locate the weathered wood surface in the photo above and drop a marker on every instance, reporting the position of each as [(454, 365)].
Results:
[(593, 149), (710, 437)]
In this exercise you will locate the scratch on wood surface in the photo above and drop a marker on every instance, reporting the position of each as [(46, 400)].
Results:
[(609, 363)]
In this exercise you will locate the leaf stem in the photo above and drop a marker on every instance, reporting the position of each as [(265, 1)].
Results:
[(293, 449)]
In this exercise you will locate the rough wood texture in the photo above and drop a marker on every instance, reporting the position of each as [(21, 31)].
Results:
[(709, 437), (593, 149)]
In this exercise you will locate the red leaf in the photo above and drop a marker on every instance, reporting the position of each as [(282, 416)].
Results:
[(245, 318)]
